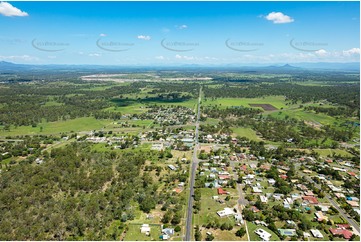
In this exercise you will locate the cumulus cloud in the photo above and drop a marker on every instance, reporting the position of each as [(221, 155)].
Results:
[(353, 51), (144, 37), (279, 18), (9, 10), (160, 57), (102, 35), (321, 52)]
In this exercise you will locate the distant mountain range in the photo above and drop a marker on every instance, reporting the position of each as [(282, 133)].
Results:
[(350, 66)]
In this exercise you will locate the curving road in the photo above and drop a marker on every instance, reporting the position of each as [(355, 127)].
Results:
[(193, 173)]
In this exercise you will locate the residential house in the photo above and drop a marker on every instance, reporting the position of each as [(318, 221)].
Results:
[(145, 229), (264, 199), (310, 199), (271, 181), (264, 235), (221, 191), (320, 216), (316, 233), (256, 190), (346, 234), (255, 209), (225, 212)]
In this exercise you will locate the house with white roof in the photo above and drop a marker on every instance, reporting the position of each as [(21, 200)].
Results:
[(316, 233), (264, 235), (225, 212)]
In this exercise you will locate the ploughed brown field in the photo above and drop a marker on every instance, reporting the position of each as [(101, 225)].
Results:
[(266, 107)]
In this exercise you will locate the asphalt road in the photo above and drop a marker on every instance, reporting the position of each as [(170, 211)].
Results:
[(193, 174), (242, 201)]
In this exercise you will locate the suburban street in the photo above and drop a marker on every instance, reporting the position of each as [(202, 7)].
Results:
[(193, 173), (340, 210), (330, 200), (242, 201)]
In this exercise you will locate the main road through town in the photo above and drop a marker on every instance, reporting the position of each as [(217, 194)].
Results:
[(193, 172)]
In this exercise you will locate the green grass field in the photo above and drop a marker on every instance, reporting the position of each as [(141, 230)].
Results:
[(303, 115), (134, 108), (246, 132), (134, 234), (329, 152), (137, 107), (209, 206), (276, 101), (76, 125)]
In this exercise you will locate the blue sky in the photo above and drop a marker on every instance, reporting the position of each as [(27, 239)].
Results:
[(171, 33)]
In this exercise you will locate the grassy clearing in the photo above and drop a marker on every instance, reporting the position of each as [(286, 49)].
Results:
[(246, 132), (303, 115), (135, 108), (209, 206), (76, 125), (211, 121), (330, 152), (276, 101), (134, 234), (138, 107), (224, 235)]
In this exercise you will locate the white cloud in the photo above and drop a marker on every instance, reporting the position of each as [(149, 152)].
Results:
[(19, 58), (102, 35), (160, 57), (144, 37), (321, 52), (183, 26), (194, 58), (279, 18), (9, 10), (94, 55), (353, 51)]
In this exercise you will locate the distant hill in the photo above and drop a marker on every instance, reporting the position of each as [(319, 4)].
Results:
[(294, 67)]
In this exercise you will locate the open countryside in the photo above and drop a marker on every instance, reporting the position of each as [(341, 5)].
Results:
[(161, 121)]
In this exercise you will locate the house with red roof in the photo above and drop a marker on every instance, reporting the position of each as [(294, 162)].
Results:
[(255, 209), (284, 177), (346, 234), (221, 191), (243, 167), (310, 199), (351, 173), (224, 177)]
